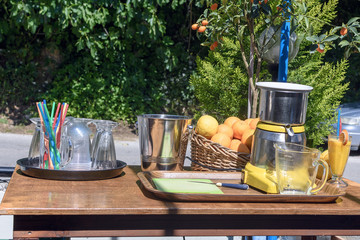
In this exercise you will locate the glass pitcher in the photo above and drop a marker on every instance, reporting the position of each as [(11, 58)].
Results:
[(76, 144), (34, 150)]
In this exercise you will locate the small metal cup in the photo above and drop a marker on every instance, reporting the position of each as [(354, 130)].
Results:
[(163, 141)]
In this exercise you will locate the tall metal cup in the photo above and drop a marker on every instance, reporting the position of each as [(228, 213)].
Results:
[(163, 141)]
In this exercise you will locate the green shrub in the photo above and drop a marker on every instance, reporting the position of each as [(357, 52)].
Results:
[(327, 80), (220, 84)]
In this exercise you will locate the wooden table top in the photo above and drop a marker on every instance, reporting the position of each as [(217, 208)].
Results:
[(124, 195)]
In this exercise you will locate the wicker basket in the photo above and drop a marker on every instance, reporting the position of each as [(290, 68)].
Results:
[(210, 156)]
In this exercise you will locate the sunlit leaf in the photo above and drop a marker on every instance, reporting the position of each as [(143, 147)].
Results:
[(343, 43), (331, 38), (353, 20)]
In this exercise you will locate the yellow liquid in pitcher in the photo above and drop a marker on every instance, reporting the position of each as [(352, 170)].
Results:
[(296, 181), (338, 155)]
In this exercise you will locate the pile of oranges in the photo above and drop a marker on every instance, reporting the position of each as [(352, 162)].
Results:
[(234, 133)]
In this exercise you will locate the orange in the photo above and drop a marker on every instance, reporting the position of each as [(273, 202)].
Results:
[(231, 120), (238, 146), (214, 45), (343, 31), (223, 128), (201, 29), (207, 126), (222, 139), (319, 49), (239, 128), (344, 136), (254, 122), (247, 137), (214, 6), (205, 22), (248, 120), (195, 26)]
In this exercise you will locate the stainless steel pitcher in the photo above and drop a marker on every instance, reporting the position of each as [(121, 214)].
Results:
[(163, 141)]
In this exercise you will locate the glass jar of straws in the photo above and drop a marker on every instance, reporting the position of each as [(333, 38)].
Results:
[(50, 133)]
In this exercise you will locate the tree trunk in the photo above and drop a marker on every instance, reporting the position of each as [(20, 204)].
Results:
[(254, 103)]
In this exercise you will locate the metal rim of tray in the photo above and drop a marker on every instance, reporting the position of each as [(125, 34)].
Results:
[(31, 168)]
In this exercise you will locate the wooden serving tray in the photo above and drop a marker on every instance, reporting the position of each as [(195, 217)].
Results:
[(328, 194)]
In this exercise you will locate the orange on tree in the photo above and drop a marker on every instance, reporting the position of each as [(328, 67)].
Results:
[(201, 29), (319, 49), (247, 137), (254, 122), (223, 128), (207, 126), (195, 26), (238, 146), (214, 45), (231, 120), (204, 22), (222, 139), (343, 31), (239, 128), (214, 6)]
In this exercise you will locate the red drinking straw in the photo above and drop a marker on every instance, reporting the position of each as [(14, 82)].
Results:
[(340, 126), (56, 115)]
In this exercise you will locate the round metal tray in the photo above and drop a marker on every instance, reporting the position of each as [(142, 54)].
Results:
[(31, 168)]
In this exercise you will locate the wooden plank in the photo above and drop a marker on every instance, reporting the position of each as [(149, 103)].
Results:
[(125, 195), (183, 225)]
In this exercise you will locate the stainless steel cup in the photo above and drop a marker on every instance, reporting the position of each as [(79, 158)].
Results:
[(163, 141), (283, 103)]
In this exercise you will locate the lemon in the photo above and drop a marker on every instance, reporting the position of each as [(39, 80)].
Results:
[(207, 126), (324, 156)]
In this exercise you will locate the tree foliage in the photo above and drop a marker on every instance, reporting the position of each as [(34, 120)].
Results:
[(107, 59), (327, 79)]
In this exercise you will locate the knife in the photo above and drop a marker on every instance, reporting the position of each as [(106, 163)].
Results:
[(241, 186)]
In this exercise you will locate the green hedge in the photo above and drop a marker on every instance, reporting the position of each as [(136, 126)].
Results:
[(107, 59)]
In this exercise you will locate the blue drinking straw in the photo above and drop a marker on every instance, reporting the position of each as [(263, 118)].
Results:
[(338, 123)]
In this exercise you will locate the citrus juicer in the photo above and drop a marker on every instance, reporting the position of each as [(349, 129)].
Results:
[(282, 113)]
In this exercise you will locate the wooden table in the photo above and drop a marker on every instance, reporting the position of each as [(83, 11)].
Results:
[(121, 207)]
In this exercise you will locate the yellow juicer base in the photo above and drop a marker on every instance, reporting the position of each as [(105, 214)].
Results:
[(260, 178)]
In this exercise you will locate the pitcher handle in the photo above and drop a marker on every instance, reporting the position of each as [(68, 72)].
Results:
[(324, 176)]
